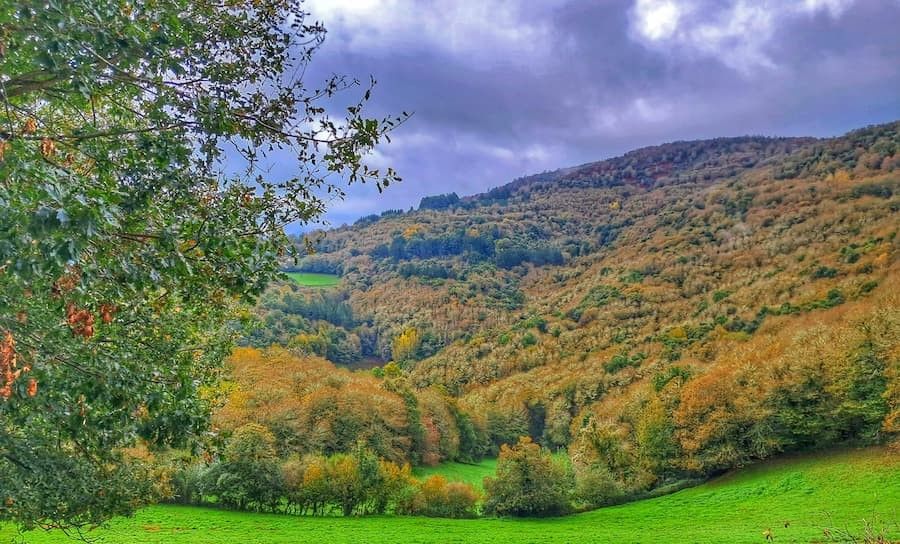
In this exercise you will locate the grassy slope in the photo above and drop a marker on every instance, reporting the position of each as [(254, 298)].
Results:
[(309, 279), (460, 472), (850, 485)]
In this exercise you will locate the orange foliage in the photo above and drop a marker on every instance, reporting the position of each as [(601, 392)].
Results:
[(312, 406), (9, 372), (81, 321)]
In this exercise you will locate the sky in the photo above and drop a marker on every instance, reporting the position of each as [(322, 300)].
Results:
[(500, 89)]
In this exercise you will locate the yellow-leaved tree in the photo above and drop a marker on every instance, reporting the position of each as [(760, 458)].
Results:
[(405, 344)]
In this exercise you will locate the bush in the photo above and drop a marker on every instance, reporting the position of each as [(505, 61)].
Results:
[(824, 272), (719, 296), (436, 497), (528, 339), (529, 482), (595, 486)]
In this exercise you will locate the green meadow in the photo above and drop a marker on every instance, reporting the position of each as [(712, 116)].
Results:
[(794, 498), (471, 473), (311, 279)]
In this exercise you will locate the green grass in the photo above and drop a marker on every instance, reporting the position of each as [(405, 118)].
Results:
[(310, 279), (460, 472), (849, 485)]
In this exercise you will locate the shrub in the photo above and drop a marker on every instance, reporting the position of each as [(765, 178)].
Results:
[(719, 296), (595, 486), (436, 497), (529, 482), (824, 272), (528, 340)]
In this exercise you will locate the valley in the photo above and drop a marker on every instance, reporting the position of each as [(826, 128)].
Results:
[(482, 271)]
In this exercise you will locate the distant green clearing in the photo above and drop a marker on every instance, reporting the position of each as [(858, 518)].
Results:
[(460, 472), (312, 279), (472, 473), (838, 489)]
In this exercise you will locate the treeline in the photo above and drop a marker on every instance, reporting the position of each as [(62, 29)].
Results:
[(322, 322), (439, 202), (317, 265), (682, 162), (427, 269), (473, 246), (834, 383), (373, 218), (478, 245), (870, 148), (509, 257), (249, 475), (330, 305)]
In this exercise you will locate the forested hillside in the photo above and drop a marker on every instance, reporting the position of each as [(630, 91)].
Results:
[(670, 313)]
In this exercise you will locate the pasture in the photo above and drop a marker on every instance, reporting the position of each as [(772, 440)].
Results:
[(471, 473), (311, 279)]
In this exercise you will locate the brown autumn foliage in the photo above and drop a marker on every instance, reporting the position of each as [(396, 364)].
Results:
[(311, 406), (717, 302)]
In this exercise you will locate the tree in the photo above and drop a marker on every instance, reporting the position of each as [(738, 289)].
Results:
[(405, 344), (345, 481), (126, 241), (396, 486), (249, 476), (529, 482)]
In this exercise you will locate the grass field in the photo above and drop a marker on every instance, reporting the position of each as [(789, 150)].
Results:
[(310, 279), (460, 472), (837, 489)]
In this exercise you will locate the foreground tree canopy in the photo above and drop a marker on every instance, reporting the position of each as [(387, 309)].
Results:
[(125, 245)]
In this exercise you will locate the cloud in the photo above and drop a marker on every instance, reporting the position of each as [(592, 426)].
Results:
[(466, 27), (735, 32), (834, 7), (641, 110), (657, 19)]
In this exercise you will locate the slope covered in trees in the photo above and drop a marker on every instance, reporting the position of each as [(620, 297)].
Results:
[(663, 315)]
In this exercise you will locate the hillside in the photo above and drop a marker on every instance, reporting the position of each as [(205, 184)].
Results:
[(673, 312), (796, 499), (487, 260)]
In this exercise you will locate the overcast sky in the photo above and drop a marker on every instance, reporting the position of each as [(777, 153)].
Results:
[(506, 88)]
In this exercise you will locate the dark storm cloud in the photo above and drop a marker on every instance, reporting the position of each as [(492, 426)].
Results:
[(502, 89)]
